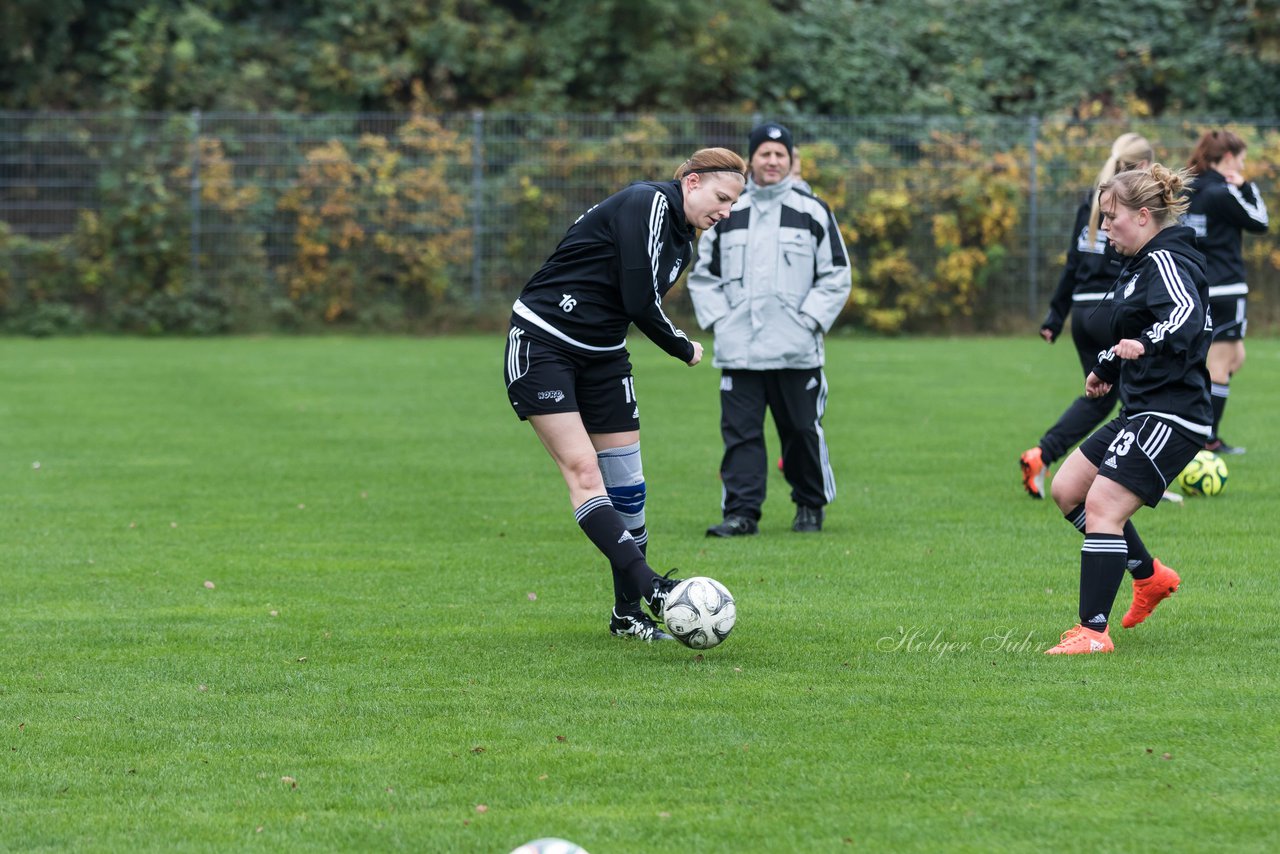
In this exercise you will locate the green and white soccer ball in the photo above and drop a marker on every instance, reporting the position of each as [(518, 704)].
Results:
[(700, 612), (1204, 475)]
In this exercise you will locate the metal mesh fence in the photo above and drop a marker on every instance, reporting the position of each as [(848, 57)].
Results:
[(272, 218)]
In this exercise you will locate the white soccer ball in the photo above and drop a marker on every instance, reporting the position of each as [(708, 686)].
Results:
[(550, 846), (700, 612)]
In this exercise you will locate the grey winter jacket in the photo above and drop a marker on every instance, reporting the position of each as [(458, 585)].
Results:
[(771, 279)]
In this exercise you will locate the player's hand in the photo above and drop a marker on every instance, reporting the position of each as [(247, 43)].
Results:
[(1234, 177), (1047, 334), (1129, 348), (1095, 387), (697, 353)]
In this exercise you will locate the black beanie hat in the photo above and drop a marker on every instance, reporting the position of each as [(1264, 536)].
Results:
[(769, 132)]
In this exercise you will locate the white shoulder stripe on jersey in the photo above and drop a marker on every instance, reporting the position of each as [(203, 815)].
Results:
[(1256, 212), (1183, 304), (657, 221), (526, 313)]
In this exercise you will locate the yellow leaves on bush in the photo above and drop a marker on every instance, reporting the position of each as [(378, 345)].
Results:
[(217, 178), (946, 231), (384, 216), (950, 209), (886, 216)]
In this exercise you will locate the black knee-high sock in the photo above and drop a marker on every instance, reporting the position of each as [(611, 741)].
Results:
[(623, 594), (1140, 560), (1218, 394), (1102, 565), (604, 527)]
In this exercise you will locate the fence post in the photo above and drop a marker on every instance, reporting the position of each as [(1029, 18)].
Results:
[(1033, 225), (477, 205), (195, 196)]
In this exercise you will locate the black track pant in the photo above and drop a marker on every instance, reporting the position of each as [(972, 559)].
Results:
[(797, 399), (1091, 333)]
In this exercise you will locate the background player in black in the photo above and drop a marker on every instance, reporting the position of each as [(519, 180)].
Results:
[(1161, 333), (1091, 269), (1223, 204), (567, 370)]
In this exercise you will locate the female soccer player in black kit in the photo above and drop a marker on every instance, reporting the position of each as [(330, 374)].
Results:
[(1222, 204), (567, 369), (1091, 269), (1161, 333)]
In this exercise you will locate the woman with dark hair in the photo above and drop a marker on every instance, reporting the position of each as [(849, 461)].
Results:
[(568, 372), (1223, 205), (1161, 334)]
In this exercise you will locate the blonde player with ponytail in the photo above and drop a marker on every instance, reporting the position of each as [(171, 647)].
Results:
[(1159, 335), (1085, 285)]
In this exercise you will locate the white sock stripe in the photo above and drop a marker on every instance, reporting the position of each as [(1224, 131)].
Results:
[(1093, 548), (1077, 520), (591, 504), (1093, 542)]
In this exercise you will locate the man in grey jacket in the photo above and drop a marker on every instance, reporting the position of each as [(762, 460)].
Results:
[(770, 280)]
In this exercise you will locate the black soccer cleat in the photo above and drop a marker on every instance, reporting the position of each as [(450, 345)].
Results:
[(630, 621), (808, 519), (734, 526), (657, 600), (1220, 447)]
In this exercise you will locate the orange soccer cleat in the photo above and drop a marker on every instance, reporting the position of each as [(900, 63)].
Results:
[(1078, 639), (1150, 592), (1033, 472)]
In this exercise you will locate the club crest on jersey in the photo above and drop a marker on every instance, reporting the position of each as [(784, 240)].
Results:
[(1128, 289)]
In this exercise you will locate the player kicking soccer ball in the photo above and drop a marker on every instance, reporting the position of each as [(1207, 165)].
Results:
[(568, 372)]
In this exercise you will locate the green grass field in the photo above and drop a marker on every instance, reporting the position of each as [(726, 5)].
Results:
[(328, 595)]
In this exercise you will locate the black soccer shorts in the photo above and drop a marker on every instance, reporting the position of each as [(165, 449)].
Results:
[(1143, 454), (1230, 321), (542, 379)]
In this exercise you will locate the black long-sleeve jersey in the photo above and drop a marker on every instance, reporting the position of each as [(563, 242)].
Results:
[(1161, 300), (612, 269), (1218, 212), (1090, 271)]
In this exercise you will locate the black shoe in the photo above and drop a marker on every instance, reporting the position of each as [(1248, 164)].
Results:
[(657, 600), (734, 526), (808, 519), (629, 621), (1220, 447)]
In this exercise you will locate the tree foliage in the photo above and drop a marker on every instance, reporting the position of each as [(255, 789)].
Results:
[(828, 57)]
